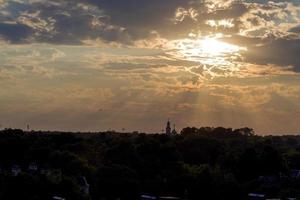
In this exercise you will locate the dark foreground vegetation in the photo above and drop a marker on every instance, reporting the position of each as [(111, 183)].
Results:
[(205, 163)]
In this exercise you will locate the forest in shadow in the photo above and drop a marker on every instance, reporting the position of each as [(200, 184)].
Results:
[(199, 163)]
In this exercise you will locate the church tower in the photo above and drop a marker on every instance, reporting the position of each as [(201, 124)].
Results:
[(168, 128), (174, 132)]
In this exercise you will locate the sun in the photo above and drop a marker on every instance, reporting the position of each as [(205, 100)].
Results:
[(214, 57), (206, 49), (213, 47)]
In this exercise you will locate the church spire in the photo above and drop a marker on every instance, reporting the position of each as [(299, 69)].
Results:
[(168, 128)]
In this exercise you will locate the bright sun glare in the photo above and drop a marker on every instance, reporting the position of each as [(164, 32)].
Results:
[(212, 46), (209, 52)]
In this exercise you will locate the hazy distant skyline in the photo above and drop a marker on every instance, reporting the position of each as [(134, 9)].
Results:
[(88, 65)]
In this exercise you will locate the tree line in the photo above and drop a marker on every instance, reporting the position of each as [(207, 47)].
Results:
[(198, 163)]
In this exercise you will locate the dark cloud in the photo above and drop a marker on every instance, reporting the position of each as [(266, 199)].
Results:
[(160, 17), (110, 20), (295, 29), (280, 51), (63, 22), (141, 17), (140, 13), (16, 33), (75, 21)]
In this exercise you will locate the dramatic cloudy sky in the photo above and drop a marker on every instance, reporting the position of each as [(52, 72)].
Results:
[(87, 65)]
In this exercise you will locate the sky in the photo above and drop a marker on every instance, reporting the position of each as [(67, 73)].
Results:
[(125, 65)]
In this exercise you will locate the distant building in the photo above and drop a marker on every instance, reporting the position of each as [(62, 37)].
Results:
[(169, 131), (16, 170), (169, 198), (255, 196), (168, 128), (147, 197), (151, 197), (84, 186), (295, 174), (57, 198), (32, 167)]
